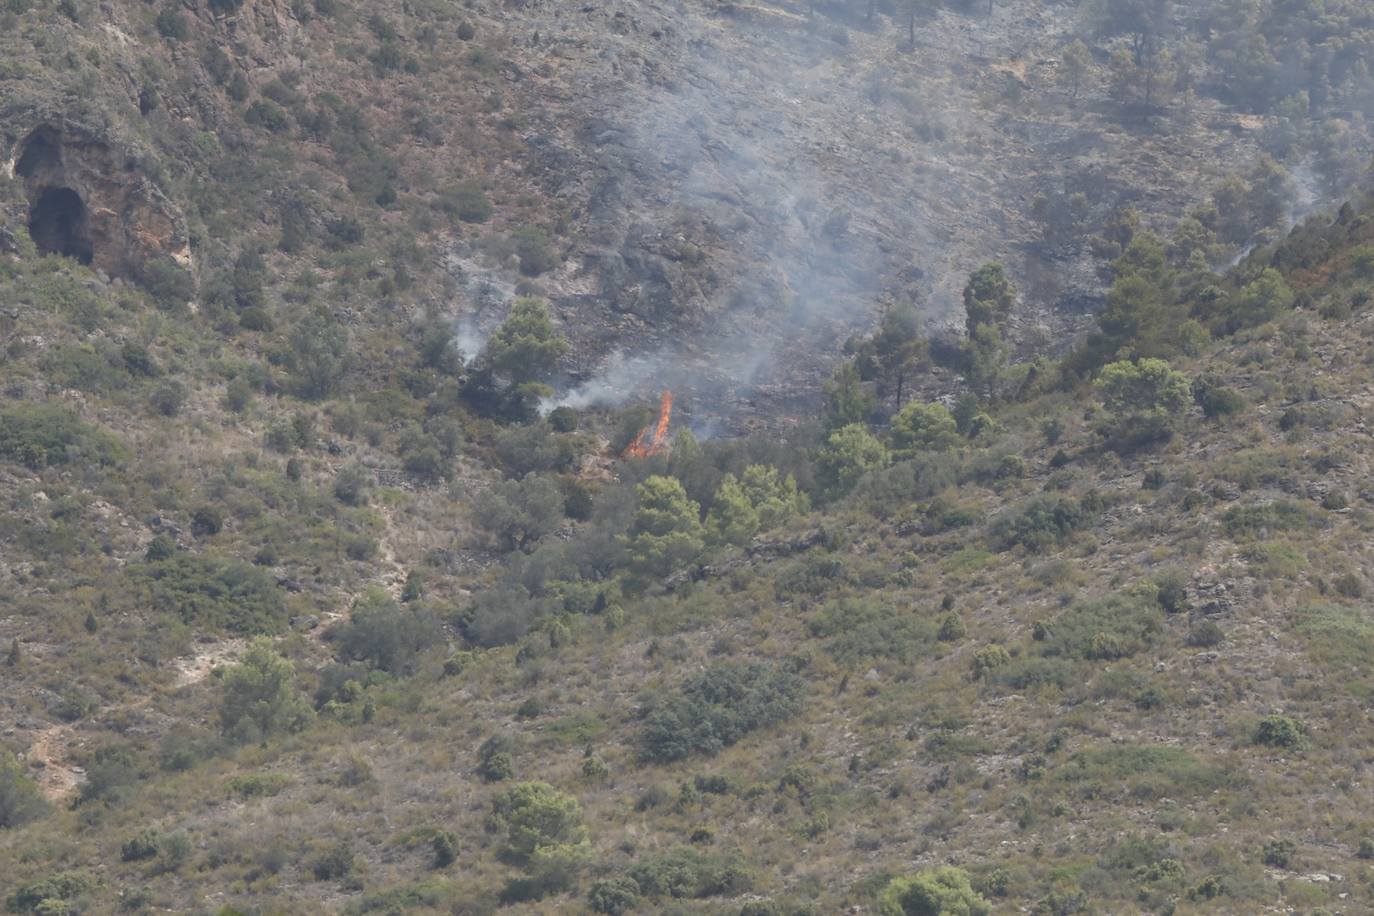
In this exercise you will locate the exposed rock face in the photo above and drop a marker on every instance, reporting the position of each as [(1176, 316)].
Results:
[(90, 201)]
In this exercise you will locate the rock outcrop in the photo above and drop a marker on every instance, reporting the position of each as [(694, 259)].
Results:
[(90, 200)]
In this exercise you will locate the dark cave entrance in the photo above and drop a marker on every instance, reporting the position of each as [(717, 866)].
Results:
[(57, 224), (42, 151)]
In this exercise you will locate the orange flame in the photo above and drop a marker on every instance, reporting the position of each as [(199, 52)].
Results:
[(653, 440)]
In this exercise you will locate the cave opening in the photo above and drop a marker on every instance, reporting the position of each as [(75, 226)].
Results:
[(41, 152), (57, 224)]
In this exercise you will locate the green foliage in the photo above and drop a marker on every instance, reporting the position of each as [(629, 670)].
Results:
[(1041, 522), (1280, 731), (212, 591), (860, 629), (334, 863), (520, 512), (715, 708), (684, 873), (928, 427), (145, 844), (1278, 853), (259, 696), (54, 895), (351, 484), (1143, 401), (988, 297), (320, 355), (1145, 772), (388, 635), (538, 820), (20, 799), (666, 532), (763, 499), (526, 345), (847, 403), (733, 518), (534, 251), (614, 896), (494, 761), (39, 435), (988, 659), (775, 497), (1104, 629), (259, 785), (1263, 299), (468, 202), (1269, 518), (943, 891), (849, 453), (1216, 399)]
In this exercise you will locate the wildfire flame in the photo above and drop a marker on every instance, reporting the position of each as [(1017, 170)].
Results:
[(653, 440)]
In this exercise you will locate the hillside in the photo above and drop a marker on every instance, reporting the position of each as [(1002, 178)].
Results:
[(1005, 545)]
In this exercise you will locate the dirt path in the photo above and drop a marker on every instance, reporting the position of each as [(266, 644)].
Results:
[(51, 752), (57, 777)]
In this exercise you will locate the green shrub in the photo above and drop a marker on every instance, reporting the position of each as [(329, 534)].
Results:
[(50, 896), (1042, 522), (1278, 853), (537, 820), (1113, 627), (172, 25), (20, 799), (943, 891), (259, 696), (38, 435), (1278, 516), (614, 896), (534, 251), (494, 761), (212, 591), (716, 708), (684, 873), (1143, 402), (1280, 731), (1144, 771), (388, 635), (857, 629), (267, 114), (146, 844), (1205, 635), (445, 848), (989, 658), (468, 202), (259, 785), (334, 863)]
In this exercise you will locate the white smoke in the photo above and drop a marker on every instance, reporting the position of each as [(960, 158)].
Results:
[(621, 380), (468, 339)]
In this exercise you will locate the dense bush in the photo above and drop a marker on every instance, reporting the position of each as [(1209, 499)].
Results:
[(1040, 523), (388, 635), (20, 799), (212, 591), (259, 696), (686, 873), (716, 708), (859, 629), (1143, 401), (667, 531), (38, 435), (944, 891), (1280, 731), (1268, 518)]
